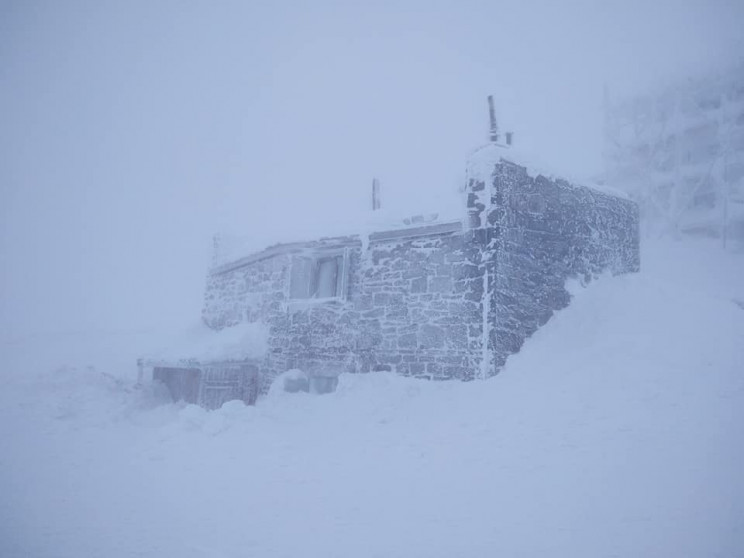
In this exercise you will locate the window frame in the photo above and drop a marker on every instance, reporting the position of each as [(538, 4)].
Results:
[(313, 259)]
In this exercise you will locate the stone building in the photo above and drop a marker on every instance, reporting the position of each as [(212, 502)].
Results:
[(437, 298)]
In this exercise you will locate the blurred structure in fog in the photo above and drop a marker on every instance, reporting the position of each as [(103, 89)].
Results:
[(680, 152)]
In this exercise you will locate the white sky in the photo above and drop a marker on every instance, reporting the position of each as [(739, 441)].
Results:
[(131, 131)]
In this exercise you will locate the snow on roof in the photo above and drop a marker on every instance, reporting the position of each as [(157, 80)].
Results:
[(202, 344), (361, 225), (431, 211), (483, 160)]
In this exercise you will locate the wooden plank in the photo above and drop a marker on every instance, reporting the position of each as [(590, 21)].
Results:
[(412, 232)]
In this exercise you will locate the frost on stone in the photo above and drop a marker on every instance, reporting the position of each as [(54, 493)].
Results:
[(435, 299)]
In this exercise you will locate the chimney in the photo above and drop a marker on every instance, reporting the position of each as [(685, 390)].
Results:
[(494, 128)]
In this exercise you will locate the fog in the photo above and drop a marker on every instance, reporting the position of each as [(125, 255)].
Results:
[(130, 132)]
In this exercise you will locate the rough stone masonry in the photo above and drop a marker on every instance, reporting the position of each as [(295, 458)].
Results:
[(435, 300)]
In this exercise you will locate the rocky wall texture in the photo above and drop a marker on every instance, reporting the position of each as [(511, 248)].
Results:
[(545, 232), (412, 306), (438, 304), (254, 292), (422, 301)]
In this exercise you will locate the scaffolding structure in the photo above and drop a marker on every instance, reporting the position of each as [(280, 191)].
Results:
[(680, 154)]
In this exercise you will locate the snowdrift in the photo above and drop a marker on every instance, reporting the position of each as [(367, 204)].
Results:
[(616, 431)]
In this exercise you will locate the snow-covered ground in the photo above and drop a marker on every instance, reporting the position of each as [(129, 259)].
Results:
[(617, 431)]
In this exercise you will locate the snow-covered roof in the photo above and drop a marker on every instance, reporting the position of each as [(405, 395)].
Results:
[(436, 215), (365, 227), (202, 344), (483, 160)]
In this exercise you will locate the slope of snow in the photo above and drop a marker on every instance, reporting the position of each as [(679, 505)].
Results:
[(617, 431)]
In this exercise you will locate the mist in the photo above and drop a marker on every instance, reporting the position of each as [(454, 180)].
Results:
[(164, 398), (132, 132)]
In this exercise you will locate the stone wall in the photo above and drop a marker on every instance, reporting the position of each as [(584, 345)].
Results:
[(544, 232), (252, 292), (423, 306), (436, 301), (413, 306)]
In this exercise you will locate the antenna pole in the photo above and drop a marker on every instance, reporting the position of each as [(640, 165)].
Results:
[(494, 128), (375, 194)]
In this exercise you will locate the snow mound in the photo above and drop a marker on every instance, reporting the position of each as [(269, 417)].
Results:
[(614, 432), (202, 344), (292, 381)]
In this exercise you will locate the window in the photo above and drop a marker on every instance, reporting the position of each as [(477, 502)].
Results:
[(319, 276)]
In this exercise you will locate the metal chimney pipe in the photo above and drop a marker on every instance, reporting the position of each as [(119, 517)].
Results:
[(375, 194), (494, 128)]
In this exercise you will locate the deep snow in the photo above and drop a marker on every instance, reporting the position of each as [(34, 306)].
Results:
[(617, 431)]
